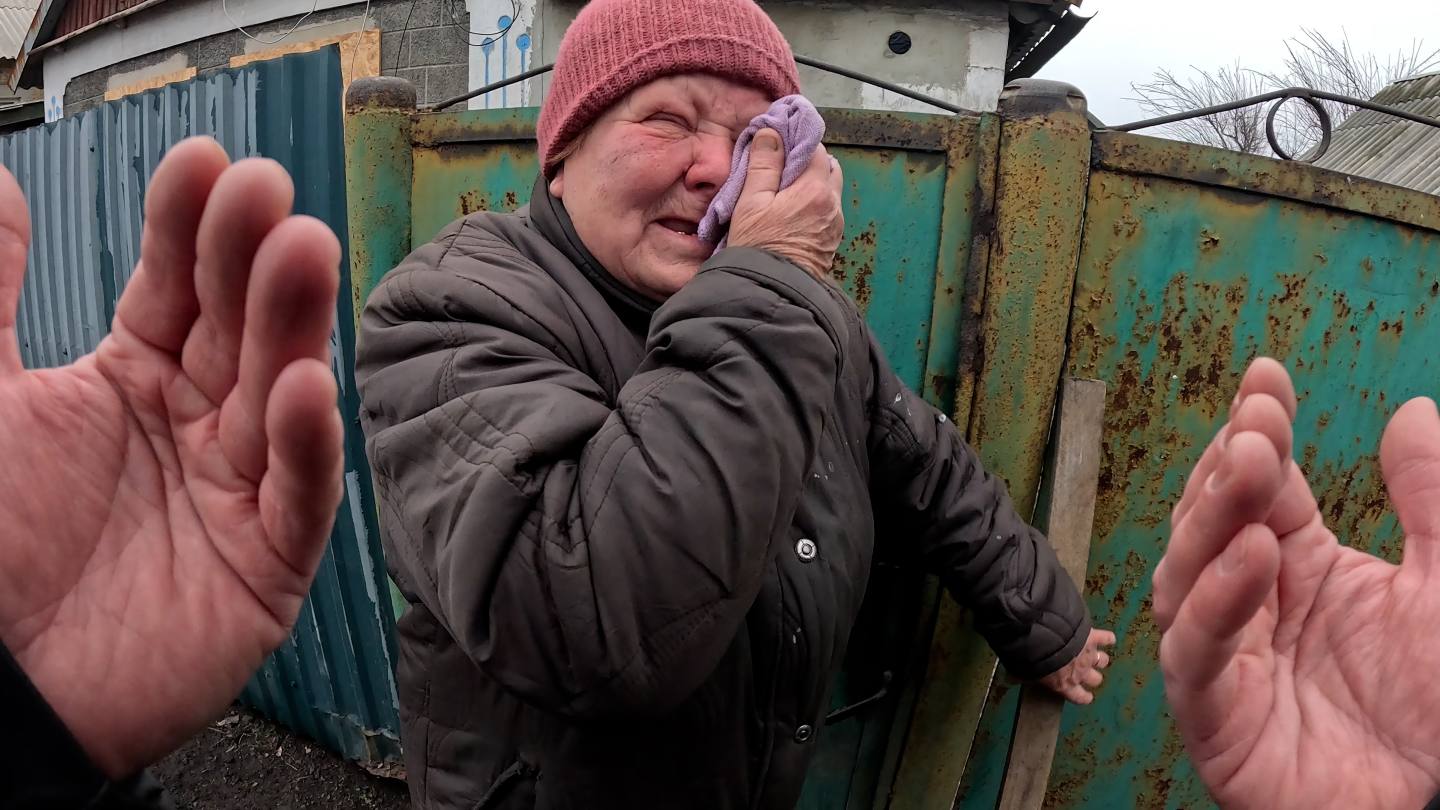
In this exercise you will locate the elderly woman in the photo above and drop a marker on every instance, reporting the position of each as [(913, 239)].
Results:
[(630, 488)]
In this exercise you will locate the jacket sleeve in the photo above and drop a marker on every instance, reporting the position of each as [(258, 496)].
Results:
[(45, 767), (929, 485), (593, 556)]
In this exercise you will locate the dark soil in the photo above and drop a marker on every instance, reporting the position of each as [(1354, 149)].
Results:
[(246, 762)]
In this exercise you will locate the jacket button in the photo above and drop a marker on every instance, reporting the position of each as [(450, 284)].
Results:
[(806, 549), (804, 733)]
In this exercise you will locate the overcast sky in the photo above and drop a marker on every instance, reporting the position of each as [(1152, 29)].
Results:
[(1129, 39)]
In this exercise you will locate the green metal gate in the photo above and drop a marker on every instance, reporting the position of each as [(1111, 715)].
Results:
[(995, 255), (1189, 263), (410, 175)]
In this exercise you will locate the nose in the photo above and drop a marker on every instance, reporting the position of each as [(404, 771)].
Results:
[(710, 165)]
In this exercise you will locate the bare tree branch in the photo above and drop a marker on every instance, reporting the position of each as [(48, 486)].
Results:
[(1312, 60), (1237, 129)]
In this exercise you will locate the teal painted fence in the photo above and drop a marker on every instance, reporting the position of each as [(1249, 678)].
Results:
[(85, 179)]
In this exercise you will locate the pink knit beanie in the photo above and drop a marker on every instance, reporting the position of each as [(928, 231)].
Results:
[(615, 46)]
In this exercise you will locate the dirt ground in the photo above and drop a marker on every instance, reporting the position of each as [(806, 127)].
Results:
[(245, 762)]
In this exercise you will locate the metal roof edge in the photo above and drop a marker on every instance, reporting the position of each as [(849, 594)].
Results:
[(46, 18)]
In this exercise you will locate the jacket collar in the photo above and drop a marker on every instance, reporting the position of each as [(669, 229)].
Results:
[(550, 218)]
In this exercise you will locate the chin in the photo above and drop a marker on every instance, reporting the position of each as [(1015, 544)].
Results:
[(665, 282)]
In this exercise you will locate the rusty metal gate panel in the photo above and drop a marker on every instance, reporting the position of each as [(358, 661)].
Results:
[(85, 179), (916, 185), (1193, 261)]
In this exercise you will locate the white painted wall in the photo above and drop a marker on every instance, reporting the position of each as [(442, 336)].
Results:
[(510, 26), (165, 26), (958, 52)]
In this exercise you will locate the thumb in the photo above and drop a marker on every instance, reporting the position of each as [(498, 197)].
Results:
[(1410, 462), (14, 245), (766, 163)]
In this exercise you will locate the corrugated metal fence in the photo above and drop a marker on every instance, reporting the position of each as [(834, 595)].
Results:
[(85, 181)]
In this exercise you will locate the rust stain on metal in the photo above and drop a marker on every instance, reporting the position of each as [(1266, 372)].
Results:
[(1354, 502), (475, 126), (894, 131), (970, 353), (1097, 579), (1029, 291), (1159, 779), (940, 383), (1342, 306), (856, 263), (1285, 316), (1134, 581), (1127, 225), (1204, 318), (1069, 791), (1262, 177), (473, 201), (1294, 285), (862, 284)]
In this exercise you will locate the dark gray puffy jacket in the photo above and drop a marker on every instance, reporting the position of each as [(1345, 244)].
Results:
[(635, 538)]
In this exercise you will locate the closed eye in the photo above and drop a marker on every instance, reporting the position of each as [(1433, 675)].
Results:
[(670, 119)]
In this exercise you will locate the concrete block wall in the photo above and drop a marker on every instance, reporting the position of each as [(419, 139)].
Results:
[(424, 41)]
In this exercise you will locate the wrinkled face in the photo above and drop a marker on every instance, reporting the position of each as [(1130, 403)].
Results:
[(644, 173)]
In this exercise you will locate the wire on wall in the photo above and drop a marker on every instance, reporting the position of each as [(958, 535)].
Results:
[(225, 7), (359, 36), (449, 6), (404, 29), (486, 37)]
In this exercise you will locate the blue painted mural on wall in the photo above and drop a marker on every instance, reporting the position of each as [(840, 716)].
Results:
[(505, 54)]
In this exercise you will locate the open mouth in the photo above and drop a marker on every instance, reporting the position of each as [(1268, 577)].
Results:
[(684, 227)]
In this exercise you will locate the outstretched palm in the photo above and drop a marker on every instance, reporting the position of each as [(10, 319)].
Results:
[(166, 498), (1302, 672)]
